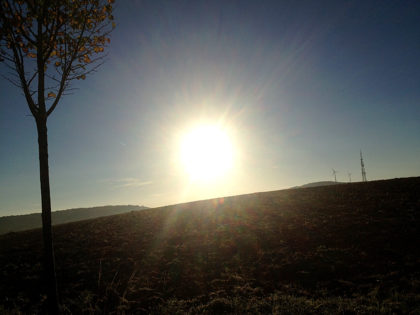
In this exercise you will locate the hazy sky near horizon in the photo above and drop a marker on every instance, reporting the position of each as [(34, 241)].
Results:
[(301, 86)]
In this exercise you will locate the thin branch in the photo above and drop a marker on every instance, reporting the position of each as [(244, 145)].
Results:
[(33, 77), (15, 83)]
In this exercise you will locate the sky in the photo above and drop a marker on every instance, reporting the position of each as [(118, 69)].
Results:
[(300, 87)]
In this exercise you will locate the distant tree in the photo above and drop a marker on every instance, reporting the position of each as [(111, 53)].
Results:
[(47, 44)]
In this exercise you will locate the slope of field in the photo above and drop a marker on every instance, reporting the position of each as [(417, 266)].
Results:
[(319, 184), (350, 248), (15, 223)]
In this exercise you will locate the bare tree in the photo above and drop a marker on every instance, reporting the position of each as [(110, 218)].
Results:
[(46, 44)]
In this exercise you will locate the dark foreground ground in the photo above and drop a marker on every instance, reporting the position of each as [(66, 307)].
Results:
[(352, 248)]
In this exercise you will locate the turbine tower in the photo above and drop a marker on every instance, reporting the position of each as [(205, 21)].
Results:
[(364, 179), (335, 174), (348, 173)]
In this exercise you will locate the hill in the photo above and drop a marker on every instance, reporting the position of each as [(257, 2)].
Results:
[(17, 223), (318, 184), (342, 249)]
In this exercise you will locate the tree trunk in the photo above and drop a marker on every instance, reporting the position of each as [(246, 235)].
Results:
[(49, 262)]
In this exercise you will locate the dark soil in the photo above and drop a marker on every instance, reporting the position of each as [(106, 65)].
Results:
[(351, 247)]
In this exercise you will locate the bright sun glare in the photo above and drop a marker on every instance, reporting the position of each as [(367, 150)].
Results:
[(206, 153)]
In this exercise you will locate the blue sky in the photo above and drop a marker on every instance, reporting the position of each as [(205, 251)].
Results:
[(302, 86)]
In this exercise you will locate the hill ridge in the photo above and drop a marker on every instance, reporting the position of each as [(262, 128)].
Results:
[(16, 223)]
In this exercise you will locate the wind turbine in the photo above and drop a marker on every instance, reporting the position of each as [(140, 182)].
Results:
[(335, 174), (348, 173), (362, 164)]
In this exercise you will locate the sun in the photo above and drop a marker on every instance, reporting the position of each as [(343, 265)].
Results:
[(206, 152)]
